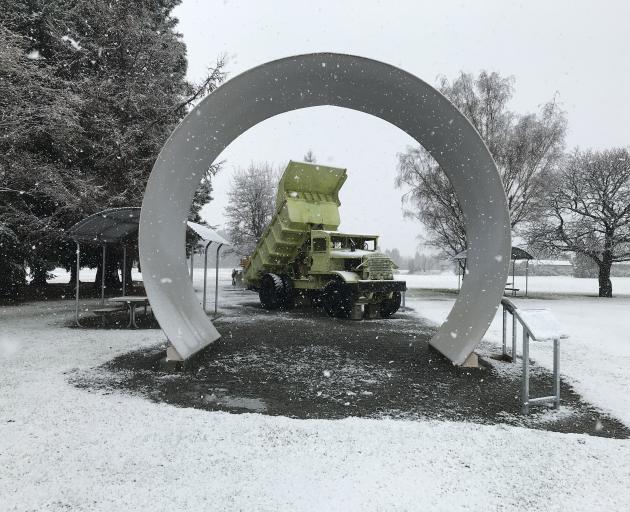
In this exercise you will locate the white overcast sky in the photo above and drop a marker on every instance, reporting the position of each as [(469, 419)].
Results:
[(578, 50)]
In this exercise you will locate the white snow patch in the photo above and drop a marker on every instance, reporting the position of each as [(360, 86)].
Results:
[(72, 42), (64, 448), (34, 55)]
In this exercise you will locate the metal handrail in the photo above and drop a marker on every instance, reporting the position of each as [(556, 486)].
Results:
[(526, 401)]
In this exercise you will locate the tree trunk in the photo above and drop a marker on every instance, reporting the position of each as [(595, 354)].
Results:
[(112, 280), (605, 284), (39, 272)]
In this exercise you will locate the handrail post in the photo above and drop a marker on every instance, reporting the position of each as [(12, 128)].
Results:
[(525, 377), (556, 372), (513, 338), (504, 353)]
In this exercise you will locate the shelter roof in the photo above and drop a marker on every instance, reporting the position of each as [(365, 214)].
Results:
[(109, 226)]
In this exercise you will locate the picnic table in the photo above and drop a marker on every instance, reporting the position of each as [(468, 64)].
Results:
[(509, 287), (132, 302)]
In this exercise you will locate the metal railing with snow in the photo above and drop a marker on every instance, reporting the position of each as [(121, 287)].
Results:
[(537, 325)]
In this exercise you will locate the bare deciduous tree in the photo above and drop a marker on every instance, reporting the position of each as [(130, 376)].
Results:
[(525, 148), (587, 210), (251, 205), (310, 157)]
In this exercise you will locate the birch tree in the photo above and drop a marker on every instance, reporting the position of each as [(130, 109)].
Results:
[(525, 147), (251, 205)]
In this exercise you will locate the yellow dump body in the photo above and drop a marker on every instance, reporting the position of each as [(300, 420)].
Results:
[(308, 198)]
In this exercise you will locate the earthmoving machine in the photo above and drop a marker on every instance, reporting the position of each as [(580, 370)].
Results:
[(301, 253)]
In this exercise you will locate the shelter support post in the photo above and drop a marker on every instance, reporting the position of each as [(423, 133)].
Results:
[(192, 255), (103, 275), (78, 282), (124, 276), (205, 274), (216, 283), (526, 276)]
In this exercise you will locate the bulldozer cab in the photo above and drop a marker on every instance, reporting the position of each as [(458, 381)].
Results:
[(343, 242), (326, 241), (332, 245)]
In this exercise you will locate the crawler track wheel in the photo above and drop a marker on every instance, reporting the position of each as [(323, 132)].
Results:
[(338, 299), (390, 306), (272, 292)]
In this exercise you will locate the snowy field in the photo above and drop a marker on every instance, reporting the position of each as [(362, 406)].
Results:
[(537, 285), (596, 356), (64, 448)]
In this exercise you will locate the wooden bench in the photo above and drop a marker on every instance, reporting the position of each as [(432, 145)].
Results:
[(105, 310)]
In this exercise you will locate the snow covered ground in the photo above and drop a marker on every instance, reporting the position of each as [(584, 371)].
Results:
[(538, 285), (64, 448), (596, 356)]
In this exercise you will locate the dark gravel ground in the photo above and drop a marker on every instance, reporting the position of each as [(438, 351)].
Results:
[(302, 364)]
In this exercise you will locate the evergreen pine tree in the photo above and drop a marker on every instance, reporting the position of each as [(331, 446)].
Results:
[(102, 84)]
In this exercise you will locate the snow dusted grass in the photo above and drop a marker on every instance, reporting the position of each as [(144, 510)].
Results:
[(65, 448)]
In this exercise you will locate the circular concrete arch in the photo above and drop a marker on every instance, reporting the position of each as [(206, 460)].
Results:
[(306, 81)]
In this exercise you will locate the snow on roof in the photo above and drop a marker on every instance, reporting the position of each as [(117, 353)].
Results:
[(109, 226), (207, 234)]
